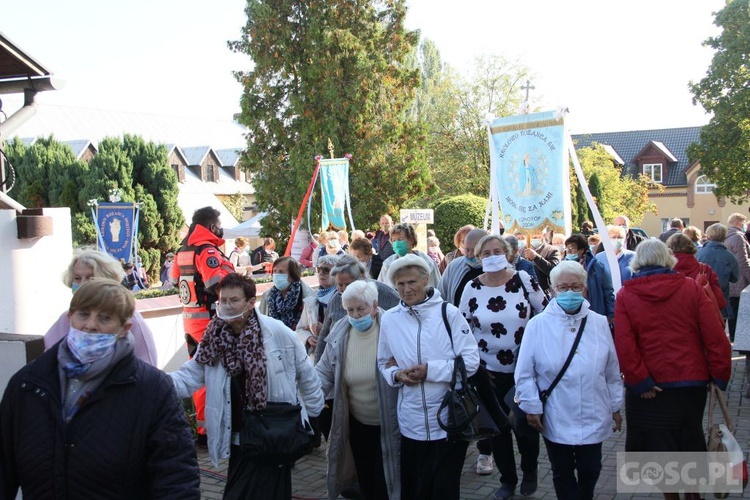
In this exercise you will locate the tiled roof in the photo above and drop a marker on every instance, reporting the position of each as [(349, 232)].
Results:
[(628, 144), (78, 147), (228, 157), (195, 154)]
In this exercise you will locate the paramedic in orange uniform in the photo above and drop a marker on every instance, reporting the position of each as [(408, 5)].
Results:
[(200, 266)]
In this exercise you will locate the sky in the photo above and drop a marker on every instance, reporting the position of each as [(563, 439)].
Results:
[(615, 65)]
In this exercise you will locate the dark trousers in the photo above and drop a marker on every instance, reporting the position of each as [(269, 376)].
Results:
[(734, 302), (501, 446), (566, 460), (368, 459), (247, 479), (431, 470)]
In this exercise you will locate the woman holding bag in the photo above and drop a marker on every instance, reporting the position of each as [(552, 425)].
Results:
[(248, 361), (497, 305), (578, 414)]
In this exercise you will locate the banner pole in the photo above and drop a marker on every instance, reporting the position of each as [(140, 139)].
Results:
[(289, 244), (614, 267)]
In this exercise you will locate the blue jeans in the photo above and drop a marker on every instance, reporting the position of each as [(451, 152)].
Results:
[(566, 460)]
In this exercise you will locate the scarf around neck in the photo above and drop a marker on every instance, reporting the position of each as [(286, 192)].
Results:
[(285, 308), (238, 354)]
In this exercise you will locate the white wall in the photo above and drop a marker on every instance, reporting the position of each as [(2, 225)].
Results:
[(32, 295)]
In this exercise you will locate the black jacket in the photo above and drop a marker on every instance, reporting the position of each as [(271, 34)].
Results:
[(130, 440)]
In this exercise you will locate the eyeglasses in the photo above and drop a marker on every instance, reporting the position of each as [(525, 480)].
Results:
[(324, 270), (231, 302), (565, 288)]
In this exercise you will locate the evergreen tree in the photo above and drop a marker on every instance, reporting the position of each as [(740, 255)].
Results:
[(724, 146), (335, 69), (595, 186)]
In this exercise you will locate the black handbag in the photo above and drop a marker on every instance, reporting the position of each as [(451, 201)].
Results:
[(275, 435), (473, 411), (516, 415)]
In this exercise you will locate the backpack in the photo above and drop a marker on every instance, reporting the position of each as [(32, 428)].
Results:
[(256, 257)]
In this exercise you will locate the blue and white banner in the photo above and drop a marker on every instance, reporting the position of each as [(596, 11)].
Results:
[(530, 172), (117, 229), (334, 184)]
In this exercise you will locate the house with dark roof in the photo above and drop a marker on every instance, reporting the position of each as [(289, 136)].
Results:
[(661, 155)]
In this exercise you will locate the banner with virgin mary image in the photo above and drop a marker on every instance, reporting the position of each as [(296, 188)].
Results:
[(334, 184), (530, 173)]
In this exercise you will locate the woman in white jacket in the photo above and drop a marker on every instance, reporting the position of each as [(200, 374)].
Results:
[(245, 360), (416, 353), (584, 408)]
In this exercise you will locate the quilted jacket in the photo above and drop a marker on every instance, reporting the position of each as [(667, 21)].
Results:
[(129, 440)]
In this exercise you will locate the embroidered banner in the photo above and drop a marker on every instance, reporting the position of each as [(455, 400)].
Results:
[(116, 226), (530, 170), (334, 184)]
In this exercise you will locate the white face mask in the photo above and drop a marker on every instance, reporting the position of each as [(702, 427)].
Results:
[(536, 243), (226, 312), (617, 244), (494, 263)]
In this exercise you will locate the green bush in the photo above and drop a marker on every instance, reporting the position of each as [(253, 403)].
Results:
[(454, 212)]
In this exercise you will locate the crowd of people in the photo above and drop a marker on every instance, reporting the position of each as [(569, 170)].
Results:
[(365, 358)]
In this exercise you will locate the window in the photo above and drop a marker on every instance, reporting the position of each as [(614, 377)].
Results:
[(652, 171), (210, 173), (703, 185)]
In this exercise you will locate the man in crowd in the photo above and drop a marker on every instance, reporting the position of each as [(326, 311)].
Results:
[(738, 245), (631, 239), (200, 267), (675, 226), (382, 240), (262, 254)]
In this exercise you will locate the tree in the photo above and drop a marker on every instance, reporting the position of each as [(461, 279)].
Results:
[(724, 146), (595, 186), (333, 69), (453, 212), (454, 107), (619, 194), (236, 205)]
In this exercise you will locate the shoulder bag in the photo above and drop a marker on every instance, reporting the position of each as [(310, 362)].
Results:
[(275, 435), (516, 415), (473, 411), (721, 438)]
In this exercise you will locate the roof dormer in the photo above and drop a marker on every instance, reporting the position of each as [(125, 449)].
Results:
[(654, 161)]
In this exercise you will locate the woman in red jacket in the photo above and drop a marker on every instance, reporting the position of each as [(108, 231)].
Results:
[(684, 251), (670, 347)]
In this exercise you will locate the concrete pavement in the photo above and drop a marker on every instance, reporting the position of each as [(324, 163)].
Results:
[(308, 476)]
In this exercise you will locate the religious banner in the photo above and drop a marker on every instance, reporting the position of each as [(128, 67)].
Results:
[(334, 184), (529, 172), (116, 227)]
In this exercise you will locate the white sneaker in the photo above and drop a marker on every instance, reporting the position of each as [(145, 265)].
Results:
[(485, 465)]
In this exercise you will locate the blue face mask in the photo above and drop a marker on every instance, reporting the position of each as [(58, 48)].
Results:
[(75, 287), (88, 347), (472, 261), (362, 324), (570, 300), (280, 281), (571, 256)]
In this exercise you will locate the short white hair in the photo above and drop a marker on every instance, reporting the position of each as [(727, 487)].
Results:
[(652, 253), (365, 291), (617, 229), (102, 265), (567, 267)]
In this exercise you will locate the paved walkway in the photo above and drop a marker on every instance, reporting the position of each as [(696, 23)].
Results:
[(308, 477)]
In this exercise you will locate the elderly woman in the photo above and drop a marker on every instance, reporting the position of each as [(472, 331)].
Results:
[(247, 360), (239, 256), (88, 419), (416, 353), (285, 299), (618, 235), (684, 250), (723, 262), (404, 242), (497, 305), (88, 263), (365, 427), (316, 304), (361, 248), (670, 347), (584, 406), (458, 242)]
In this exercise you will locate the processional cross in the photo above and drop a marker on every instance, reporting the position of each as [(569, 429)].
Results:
[(528, 87)]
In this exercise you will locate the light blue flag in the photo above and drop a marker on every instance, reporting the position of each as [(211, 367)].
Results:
[(531, 176), (334, 184)]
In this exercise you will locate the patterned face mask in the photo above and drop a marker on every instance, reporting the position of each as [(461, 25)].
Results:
[(88, 347)]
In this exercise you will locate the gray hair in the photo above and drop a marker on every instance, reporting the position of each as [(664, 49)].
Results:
[(735, 218), (360, 290), (567, 267), (716, 232), (328, 260), (512, 241), (617, 229), (102, 264), (405, 263), (652, 253), (490, 237), (350, 265)]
